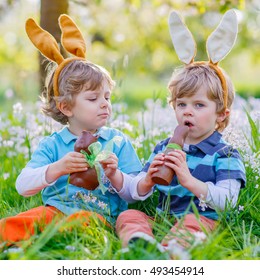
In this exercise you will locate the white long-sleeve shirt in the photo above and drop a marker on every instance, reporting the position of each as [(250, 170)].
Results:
[(32, 180), (218, 194)]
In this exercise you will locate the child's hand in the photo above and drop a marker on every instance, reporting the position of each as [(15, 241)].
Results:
[(71, 162), (146, 183), (176, 160), (158, 160), (110, 165)]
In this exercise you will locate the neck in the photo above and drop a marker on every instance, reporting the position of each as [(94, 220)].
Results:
[(78, 132)]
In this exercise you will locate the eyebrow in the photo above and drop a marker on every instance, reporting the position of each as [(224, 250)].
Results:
[(90, 93), (95, 92), (181, 99)]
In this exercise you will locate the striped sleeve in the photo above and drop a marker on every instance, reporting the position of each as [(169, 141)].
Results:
[(229, 165)]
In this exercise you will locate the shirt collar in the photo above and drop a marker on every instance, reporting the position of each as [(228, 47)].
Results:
[(207, 144), (103, 132), (67, 136)]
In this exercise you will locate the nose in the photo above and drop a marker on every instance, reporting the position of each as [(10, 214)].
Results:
[(188, 111), (104, 103)]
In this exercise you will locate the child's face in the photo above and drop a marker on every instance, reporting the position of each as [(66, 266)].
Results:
[(91, 110), (199, 113)]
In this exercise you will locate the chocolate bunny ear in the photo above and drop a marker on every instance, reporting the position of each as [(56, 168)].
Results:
[(182, 39), (71, 38), (43, 41), (222, 40)]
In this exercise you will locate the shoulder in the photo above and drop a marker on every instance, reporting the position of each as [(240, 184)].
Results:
[(224, 149), (109, 133), (50, 139), (159, 148), (50, 142), (161, 145)]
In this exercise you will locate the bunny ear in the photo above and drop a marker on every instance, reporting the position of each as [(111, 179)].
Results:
[(72, 39), (43, 41), (182, 39), (222, 40)]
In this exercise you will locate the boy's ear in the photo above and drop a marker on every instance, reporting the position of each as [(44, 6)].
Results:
[(223, 115), (65, 108)]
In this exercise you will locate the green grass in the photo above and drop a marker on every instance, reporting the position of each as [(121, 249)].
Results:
[(237, 236), (248, 89)]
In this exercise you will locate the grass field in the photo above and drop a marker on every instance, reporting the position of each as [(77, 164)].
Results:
[(236, 237)]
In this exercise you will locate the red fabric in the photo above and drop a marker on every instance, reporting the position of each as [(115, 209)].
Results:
[(189, 224), (130, 222), (133, 221), (22, 226)]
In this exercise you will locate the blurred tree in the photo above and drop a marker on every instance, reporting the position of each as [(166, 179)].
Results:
[(49, 14), (129, 37), (5, 5)]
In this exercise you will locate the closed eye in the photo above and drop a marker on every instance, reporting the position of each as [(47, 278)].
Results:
[(181, 104)]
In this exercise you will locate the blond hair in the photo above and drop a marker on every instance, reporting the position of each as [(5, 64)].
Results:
[(189, 79), (78, 75)]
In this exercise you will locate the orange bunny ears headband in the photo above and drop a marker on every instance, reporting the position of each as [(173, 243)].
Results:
[(71, 39), (218, 45)]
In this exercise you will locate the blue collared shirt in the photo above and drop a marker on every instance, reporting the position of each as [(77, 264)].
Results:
[(211, 160), (69, 198)]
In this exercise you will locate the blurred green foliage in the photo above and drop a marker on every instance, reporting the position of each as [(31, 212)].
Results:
[(131, 39)]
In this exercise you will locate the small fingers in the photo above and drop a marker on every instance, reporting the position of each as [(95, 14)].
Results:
[(173, 155), (170, 164), (160, 156), (110, 158), (76, 155), (156, 163), (112, 166), (177, 153), (153, 170)]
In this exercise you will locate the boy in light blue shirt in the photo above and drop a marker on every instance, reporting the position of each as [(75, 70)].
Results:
[(77, 94)]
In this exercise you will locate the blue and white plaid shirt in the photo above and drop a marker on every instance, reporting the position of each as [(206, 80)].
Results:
[(211, 160)]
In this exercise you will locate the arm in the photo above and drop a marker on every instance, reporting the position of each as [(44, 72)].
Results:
[(115, 176), (146, 184), (176, 160), (216, 195), (70, 163), (124, 184), (121, 167), (136, 184), (223, 192), (129, 190), (33, 180)]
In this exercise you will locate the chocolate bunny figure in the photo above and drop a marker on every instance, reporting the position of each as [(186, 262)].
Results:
[(85, 179), (165, 174)]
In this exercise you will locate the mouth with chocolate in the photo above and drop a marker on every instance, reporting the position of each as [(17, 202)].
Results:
[(189, 124)]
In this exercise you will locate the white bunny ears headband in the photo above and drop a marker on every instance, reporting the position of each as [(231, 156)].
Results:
[(218, 45)]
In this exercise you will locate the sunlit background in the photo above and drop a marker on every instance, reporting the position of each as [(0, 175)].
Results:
[(131, 39)]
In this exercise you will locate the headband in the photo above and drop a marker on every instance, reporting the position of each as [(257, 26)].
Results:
[(218, 45), (71, 39)]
